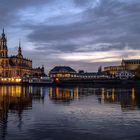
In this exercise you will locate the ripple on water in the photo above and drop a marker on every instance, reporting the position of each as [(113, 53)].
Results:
[(70, 113)]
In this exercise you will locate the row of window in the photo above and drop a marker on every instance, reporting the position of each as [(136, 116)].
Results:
[(10, 73), (76, 76), (113, 68), (133, 62)]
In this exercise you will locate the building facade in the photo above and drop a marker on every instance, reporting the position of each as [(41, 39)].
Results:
[(67, 73), (17, 65), (113, 70), (131, 64), (62, 72), (124, 74)]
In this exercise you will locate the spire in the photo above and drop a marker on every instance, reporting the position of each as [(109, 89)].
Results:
[(3, 33), (3, 45), (42, 66), (19, 50), (19, 44)]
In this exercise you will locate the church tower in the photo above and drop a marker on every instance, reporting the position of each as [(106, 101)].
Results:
[(19, 52), (3, 46)]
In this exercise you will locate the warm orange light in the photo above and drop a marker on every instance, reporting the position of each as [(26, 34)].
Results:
[(12, 79), (18, 80), (57, 79)]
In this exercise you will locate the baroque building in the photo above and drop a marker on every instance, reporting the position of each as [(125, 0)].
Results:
[(62, 72), (113, 70), (130, 65), (16, 65)]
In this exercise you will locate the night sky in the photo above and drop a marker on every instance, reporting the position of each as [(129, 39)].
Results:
[(83, 34)]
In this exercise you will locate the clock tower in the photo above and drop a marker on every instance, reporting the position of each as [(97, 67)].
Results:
[(3, 46)]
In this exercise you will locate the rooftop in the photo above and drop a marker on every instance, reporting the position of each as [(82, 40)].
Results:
[(136, 61), (62, 69)]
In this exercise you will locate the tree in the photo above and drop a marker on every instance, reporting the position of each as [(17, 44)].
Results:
[(137, 74), (100, 70)]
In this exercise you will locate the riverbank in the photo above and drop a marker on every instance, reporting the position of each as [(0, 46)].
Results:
[(99, 83), (88, 83)]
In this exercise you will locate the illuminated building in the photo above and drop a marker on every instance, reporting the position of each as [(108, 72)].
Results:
[(113, 70), (91, 75), (67, 73), (87, 75), (17, 65), (132, 64), (62, 72)]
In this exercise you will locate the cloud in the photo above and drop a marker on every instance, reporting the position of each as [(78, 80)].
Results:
[(9, 10), (73, 27), (85, 3), (110, 22)]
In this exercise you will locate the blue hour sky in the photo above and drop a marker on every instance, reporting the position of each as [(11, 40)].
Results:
[(83, 34)]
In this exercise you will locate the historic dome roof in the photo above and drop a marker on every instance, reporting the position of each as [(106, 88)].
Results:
[(62, 69)]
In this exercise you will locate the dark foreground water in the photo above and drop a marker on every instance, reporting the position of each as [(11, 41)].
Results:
[(43, 113)]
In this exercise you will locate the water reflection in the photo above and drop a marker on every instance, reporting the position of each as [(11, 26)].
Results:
[(127, 98), (60, 107), (16, 99), (63, 94)]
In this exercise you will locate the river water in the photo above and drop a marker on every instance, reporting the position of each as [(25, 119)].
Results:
[(69, 113)]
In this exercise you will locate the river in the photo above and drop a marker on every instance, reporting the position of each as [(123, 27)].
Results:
[(69, 113)]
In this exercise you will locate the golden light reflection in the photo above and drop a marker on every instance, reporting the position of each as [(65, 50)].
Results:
[(103, 91), (50, 91), (125, 97), (11, 90), (107, 94), (11, 80), (113, 94), (16, 99), (76, 91), (63, 93), (133, 94)]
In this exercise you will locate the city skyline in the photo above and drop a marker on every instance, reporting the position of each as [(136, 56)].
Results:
[(83, 34)]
